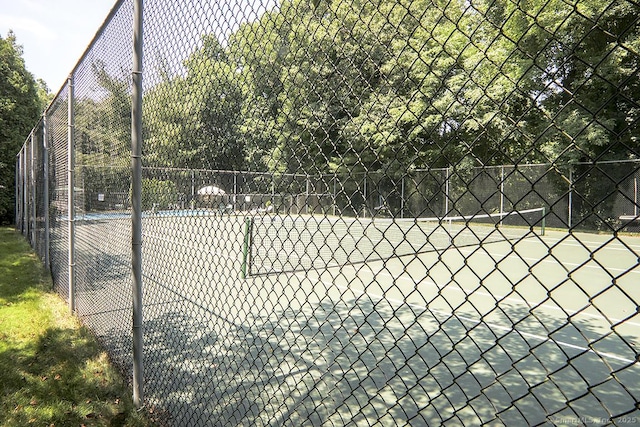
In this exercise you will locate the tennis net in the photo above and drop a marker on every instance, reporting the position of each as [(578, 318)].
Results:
[(276, 244)]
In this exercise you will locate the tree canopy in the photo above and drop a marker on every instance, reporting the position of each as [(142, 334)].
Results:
[(22, 99), (388, 85), (382, 87), (398, 84)]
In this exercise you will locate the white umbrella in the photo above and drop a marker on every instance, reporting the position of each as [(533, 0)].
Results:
[(211, 190)]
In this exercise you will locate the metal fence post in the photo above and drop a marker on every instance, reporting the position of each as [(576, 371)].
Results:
[(335, 200), (193, 190), (364, 208), (34, 186), (402, 197), (501, 189), (136, 180), (45, 193), (71, 192), (235, 189), (446, 192), (25, 193), (18, 186), (569, 208), (635, 197), (306, 201)]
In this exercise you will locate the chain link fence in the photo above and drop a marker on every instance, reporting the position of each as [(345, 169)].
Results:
[(383, 212)]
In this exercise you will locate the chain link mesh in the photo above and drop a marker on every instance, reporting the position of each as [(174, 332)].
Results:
[(57, 132), (102, 130), (378, 212)]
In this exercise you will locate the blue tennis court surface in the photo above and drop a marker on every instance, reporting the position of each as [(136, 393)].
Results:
[(96, 216)]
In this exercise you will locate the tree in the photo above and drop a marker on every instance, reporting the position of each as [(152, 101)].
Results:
[(20, 107), (316, 63), (103, 124), (193, 121), (391, 85), (260, 77), (591, 100)]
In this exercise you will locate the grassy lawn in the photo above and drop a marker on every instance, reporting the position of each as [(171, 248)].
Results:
[(52, 371)]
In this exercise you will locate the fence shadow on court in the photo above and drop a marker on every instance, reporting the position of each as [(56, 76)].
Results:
[(361, 360)]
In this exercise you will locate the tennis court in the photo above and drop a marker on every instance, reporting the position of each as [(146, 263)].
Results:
[(510, 327), (539, 314)]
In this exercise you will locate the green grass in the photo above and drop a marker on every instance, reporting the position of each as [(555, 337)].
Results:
[(52, 370)]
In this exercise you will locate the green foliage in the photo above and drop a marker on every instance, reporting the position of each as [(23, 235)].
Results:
[(393, 85), (112, 182), (386, 85), (193, 121), (158, 194), (103, 127), (398, 84), (20, 106)]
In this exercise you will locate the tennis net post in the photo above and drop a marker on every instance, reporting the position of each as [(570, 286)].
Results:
[(246, 247)]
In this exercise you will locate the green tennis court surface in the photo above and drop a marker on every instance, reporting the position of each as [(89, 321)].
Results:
[(446, 324), (514, 326), (289, 243)]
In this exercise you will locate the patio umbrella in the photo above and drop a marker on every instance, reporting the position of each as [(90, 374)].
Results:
[(211, 190)]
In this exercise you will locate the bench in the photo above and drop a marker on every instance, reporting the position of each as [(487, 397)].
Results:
[(629, 222)]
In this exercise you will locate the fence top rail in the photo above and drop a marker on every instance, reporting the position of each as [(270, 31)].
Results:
[(105, 23), (335, 174), (228, 171), (525, 165)]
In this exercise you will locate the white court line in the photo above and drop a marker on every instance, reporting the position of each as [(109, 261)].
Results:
[(183, 244), (491, 325), (632, 270), (520, 301), (606, 244)]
